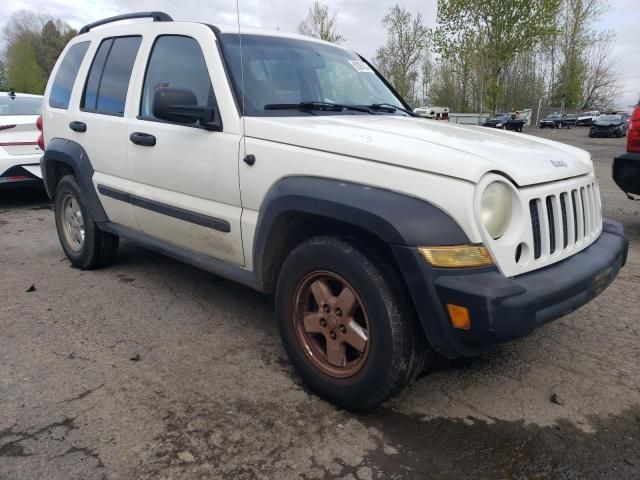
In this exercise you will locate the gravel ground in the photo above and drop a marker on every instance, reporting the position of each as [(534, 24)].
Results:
[(151, 369)]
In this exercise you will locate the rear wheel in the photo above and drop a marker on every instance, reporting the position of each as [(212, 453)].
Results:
[(82, 241), (345, 325)]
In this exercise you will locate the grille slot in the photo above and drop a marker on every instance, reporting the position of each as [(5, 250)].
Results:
[(565, 222), (535, 225), (552, 226)]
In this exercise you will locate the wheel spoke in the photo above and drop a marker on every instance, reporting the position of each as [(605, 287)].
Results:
[(312, 322), (336, 353), (347, 302), (321, 292), (356, 336)]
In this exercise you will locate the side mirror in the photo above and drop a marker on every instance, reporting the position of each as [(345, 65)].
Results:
[(180, 105)]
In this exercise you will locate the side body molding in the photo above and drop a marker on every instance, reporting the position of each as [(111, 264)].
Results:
[(392, 217), (72, 155)]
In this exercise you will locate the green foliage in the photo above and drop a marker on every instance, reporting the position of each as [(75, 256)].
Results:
[(3, 77), (401, 58), (34, 43), (320, 23), (24, 73), (495, 32)]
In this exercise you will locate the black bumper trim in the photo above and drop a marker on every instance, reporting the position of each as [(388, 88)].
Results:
[(503, 309)]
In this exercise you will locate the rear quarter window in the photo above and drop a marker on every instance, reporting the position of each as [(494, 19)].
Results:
[(66, 76)]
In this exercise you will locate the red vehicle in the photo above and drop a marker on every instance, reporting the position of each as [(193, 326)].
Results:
[(626, 167)]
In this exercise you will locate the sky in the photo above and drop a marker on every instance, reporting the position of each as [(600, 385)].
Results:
[(358, 20)]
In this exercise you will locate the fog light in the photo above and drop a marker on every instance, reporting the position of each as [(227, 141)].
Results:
[(457, 256), (459, 316)]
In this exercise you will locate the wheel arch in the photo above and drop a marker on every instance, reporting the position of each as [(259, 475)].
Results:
[(66, 157), (297, 208)]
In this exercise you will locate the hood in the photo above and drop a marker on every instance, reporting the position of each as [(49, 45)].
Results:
[(585, 117), (442, 148)]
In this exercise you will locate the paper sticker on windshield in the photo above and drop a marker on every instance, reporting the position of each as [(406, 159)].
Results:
[(360, 66)]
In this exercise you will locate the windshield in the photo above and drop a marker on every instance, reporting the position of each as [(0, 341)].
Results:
[(552, 117), (283, 71), (19, 105)]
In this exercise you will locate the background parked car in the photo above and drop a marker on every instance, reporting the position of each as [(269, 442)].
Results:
[(609, 126), (569, 119), (497, 121), (19, 150), (553, 120), (587, 118)]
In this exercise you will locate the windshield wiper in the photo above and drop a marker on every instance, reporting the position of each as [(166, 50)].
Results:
[(391, 108), (308, 106)]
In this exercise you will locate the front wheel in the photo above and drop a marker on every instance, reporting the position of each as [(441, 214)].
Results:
[(84, 244), (346, 327)]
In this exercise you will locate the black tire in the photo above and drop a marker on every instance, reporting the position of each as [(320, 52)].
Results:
[(396, 345), (98, 248)]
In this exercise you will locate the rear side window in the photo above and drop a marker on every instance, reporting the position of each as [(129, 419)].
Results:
[(108, 80), (178, 62), (66, 76)]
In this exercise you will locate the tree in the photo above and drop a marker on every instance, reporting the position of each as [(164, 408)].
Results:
[(601, 80), (34, 42), (3, 77), (498, 31), (399, 60), (24, 73), (576, 19), (320, 23)]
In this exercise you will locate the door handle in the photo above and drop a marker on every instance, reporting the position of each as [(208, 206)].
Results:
[(144, 139), (78, 127)]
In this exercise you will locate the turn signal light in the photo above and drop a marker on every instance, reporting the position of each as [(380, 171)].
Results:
[(459, 316), (457, 256), (633, 135)]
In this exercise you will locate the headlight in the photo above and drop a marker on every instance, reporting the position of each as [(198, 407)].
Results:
[(496, 207)]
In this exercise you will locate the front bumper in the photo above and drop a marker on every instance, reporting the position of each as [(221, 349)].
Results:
[(501, 308), (626, 172)]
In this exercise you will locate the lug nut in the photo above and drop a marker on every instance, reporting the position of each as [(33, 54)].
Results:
[(333, 335), (323, 323), (338, 312), (326, 309), (343, 329)]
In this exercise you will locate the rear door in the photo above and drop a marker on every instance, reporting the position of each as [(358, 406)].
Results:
[(185, 182), (99, 123)]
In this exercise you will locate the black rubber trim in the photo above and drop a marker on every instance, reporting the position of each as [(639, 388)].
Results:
[(212, 265), (71, 154), (169, 210)]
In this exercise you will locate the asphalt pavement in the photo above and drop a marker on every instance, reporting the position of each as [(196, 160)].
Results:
[(151, 369)]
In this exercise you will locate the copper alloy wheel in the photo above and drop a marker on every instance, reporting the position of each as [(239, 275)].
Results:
[(331, 324)]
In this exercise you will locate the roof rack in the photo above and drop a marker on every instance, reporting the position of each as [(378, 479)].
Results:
[(157, 17)]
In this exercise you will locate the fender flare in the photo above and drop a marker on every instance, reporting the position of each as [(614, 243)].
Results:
[(72, 154), (392, 217)]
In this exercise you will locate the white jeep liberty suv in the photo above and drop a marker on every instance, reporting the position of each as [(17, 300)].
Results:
[(290, 165)]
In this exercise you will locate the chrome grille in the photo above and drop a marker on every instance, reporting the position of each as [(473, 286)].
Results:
[(563, 220)]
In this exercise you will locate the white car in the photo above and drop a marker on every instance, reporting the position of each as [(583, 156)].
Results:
[(19, 150), (587, 118), (290, 165)]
